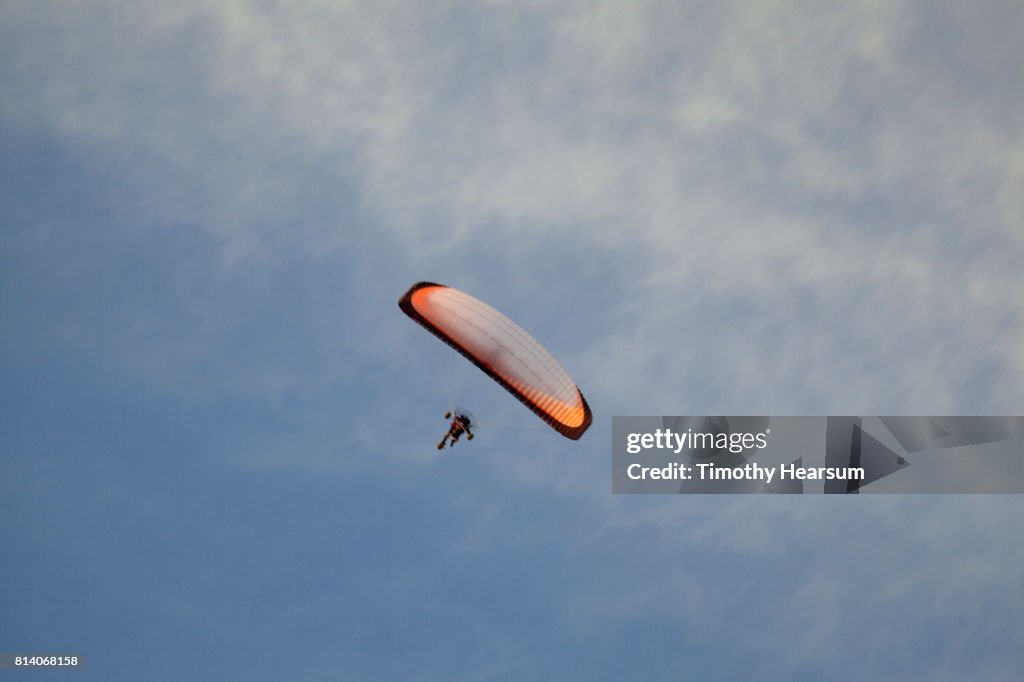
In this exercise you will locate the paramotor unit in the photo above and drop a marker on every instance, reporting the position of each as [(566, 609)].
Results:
[(504, 351), (462, 423)]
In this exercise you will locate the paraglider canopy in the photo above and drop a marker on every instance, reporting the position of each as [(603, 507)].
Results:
[(503, 350)]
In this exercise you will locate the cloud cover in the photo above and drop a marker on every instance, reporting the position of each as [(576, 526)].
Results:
[(748, 208)]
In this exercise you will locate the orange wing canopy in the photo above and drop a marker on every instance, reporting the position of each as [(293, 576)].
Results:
[(503, 350)]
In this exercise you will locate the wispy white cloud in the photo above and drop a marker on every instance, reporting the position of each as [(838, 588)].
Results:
[(822, 199)]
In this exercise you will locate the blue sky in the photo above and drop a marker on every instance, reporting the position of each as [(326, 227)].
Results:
[(218, 428)]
